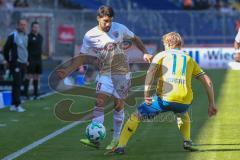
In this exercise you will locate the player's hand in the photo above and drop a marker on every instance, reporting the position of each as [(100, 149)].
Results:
[(62, 73), (81, 69), (6, 63), (147, 57), (148, 100), (237, 57), (236, 45), (212, 110)]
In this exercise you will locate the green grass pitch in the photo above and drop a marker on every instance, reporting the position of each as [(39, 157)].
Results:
[(217, 137)]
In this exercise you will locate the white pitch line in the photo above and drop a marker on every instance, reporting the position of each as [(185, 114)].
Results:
[(3, 125), (46, 138), (47, 94), (40, 141)]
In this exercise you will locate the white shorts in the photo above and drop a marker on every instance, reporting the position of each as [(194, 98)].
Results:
[(114, 85)]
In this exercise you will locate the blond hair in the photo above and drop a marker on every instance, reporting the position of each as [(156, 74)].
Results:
[(172, 40)]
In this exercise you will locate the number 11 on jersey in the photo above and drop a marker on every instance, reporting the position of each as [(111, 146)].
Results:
[(177, 64)]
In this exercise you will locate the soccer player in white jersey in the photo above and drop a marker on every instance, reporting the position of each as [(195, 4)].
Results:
[(105, 41), (237, 46)]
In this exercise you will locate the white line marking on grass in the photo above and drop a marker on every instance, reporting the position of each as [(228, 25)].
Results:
[(46, 108), (48, 137), (14, 120), (40, 141), (47, 94), (3, 125)]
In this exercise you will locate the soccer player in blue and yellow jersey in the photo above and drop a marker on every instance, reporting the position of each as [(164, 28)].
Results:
[(173, 70)]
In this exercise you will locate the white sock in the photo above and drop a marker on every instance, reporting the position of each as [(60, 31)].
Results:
[(98, 114), (118, 120)]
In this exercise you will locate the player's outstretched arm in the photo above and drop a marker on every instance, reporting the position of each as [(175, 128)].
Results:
[(237, 40), (149, 83), (236, 45), (76, 62), (138, 42), (207, 83)]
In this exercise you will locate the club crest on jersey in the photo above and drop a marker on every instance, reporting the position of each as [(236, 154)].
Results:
[(126, 44), (115, 34), (110, 46)]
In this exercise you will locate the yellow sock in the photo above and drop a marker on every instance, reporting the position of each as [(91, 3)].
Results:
[(128, 130), (184, 126)]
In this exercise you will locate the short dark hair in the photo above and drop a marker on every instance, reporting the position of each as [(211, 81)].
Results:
[(21, 19), (105, 11), (33, 23)]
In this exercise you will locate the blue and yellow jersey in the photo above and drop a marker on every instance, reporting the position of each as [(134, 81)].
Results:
[(175, 71)]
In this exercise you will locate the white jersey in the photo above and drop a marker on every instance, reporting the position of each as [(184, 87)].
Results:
[(108, 47), (237, 38)]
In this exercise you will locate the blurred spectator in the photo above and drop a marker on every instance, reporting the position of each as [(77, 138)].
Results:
[(21, 3), (6, 5), (237, 24), (187, 4), (34, 69), (6, 8), (2, 61), (2, 69), (16, 55), (237, 46), (217, 5), (68, 4), (1, 43), (225, 6), (235, 5), (201, 4)]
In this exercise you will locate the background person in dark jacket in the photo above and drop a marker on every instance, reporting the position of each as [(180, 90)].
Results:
[(16, 55), (34, 69)]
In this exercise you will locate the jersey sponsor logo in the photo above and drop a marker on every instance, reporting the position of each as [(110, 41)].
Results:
[(176, 80), (115, 34), (107, 47), (110, 46), (126, 44), (98, 88)]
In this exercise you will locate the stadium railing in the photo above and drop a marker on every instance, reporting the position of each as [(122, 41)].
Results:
[(201, 27)]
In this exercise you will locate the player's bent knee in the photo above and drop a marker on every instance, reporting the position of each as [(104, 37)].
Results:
[(119, 108), (119, 105), (100, 102)]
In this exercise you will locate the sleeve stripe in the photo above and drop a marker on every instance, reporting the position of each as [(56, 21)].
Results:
[(199, 74)]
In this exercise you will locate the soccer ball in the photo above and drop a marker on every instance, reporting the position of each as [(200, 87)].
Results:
[(95, 132)]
